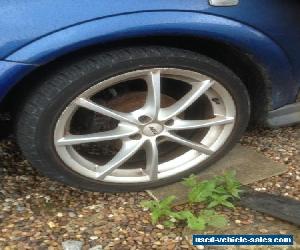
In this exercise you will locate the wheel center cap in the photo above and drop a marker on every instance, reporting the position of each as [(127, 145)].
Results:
[(153, 129)]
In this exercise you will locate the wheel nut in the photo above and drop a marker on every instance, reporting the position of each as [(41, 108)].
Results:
[(135, 137), (144, 119), (170, 122)]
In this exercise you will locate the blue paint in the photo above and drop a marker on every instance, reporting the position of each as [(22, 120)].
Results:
[(10, 73), (35, 32)]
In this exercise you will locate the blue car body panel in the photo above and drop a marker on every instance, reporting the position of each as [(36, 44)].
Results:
[(36, 32), (11, 73)]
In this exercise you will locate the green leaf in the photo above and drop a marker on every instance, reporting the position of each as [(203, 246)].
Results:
[(196, 196), (208, 213), (147, 204), (227, 204), (196, 223), (159, 209), (236, 193), (218, 221), (214, 219), (213, 204), (233, 186), (191, 181), (219, 180), (183, 215), (220, 190), (168, 224), (167, 201), (220, 197), (202, 191), (155, 215)]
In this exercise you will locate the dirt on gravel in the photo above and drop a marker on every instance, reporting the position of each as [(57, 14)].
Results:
[(37, 213)]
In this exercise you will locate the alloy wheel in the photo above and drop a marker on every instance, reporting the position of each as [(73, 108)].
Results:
[(148, 126)]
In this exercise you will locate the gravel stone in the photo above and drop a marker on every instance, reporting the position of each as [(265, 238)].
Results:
[(160, 226), (98, 247), (93, 237), (72, 245)]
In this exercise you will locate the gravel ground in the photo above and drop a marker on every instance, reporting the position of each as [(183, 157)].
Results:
[(36, 213), (281, 145)]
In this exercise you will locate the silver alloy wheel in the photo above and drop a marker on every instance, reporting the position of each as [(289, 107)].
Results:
[(150, 123)]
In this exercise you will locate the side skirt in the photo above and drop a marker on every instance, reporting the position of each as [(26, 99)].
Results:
[(285, 116)]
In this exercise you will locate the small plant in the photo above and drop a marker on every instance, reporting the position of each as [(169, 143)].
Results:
[(218, 191), (205, 218), (159, 208), (162, 210)]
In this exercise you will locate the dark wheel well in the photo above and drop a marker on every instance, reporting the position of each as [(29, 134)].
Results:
[(253, 75)]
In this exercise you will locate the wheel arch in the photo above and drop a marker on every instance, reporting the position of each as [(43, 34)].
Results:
[(213, 36)]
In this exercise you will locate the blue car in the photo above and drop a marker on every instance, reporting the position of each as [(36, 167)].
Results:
[(127, 95)]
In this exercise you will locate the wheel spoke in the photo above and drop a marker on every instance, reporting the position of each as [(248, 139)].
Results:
[(129, 148), (88, 104), (196, 146), (181, 105), (152, 159), (152, 104), (195, 124), (121, 131)]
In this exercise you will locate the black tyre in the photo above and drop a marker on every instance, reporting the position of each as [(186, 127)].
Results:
[(132, 119)]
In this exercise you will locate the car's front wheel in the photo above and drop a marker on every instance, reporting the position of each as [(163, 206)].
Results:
[(133, 118)]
